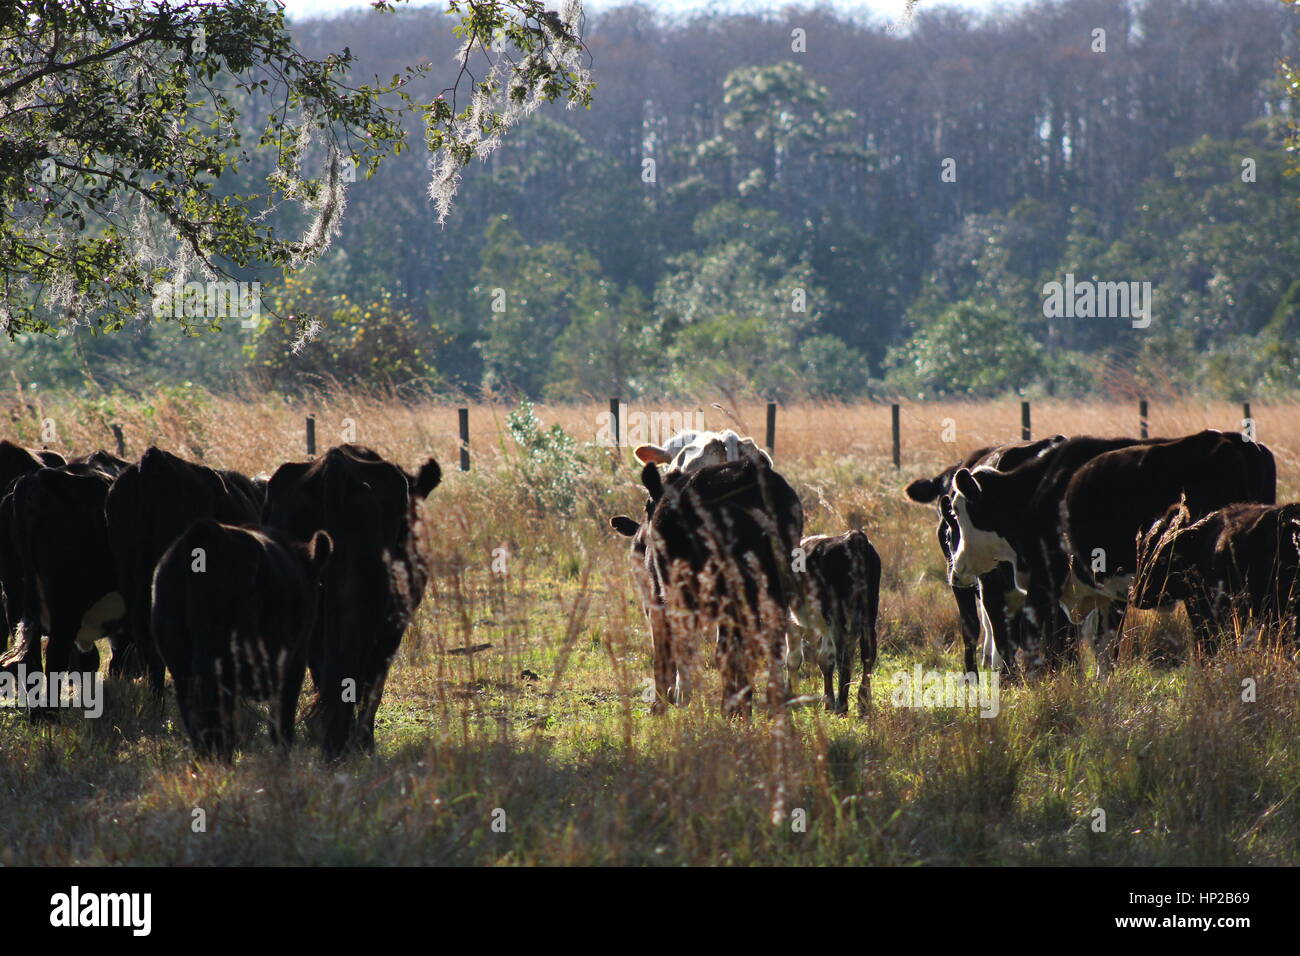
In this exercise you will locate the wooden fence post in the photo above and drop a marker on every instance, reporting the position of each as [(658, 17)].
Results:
[(462, 414), (120, 439), (771, 429), (893, 419), (1025, 429), (1143, 417), (311, 436)]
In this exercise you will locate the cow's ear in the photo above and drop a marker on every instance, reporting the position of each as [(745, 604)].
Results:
[(945, 508), (428, 478), (923, 490), (648, 454), (624, 525), (653, 483), (965, 483), (319, 549)]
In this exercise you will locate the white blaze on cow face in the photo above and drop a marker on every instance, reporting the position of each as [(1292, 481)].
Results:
[(979, 550)]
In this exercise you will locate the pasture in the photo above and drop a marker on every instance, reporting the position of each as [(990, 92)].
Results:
[(515, 727)]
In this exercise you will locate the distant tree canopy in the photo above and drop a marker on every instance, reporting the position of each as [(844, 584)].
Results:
[(869, 211)]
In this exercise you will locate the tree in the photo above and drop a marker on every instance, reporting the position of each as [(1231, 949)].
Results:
[(120, 133)]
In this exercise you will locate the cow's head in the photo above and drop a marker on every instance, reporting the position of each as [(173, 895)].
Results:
[(1165, 556), (976, 526)]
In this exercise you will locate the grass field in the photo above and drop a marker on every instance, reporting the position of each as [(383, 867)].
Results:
[(540, 748)]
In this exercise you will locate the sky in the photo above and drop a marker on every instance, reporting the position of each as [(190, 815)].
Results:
[(890, 9)]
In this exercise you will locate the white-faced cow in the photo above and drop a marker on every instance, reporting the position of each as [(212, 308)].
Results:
[(149, 505), (1014, 516), (714, 551), (373, 583), (989, 612), (841, 601), (1238, 566), (232, 613), (689, 451), (53, 520)]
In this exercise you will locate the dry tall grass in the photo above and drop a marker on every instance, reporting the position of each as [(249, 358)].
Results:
[(549, 722)]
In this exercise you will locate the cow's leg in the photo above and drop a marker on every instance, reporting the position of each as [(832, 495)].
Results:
[(737, 694), (844, 664), (1205, 626), (284, 700), (665, 671), (968, 610)]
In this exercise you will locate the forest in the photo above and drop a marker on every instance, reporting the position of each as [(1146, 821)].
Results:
[(799, 204)]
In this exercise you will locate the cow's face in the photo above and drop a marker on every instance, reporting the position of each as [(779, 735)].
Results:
[(977, 544)]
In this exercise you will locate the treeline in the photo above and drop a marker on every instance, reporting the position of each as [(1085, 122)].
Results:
[(801, 203)]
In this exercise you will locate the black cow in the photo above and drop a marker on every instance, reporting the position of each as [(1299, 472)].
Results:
[(232, 613), (715, 550), (1115, 497), (16, 461), (841, 603), (1236, 565), (995, 590), (53, 520), (373, 583), (148, 507)]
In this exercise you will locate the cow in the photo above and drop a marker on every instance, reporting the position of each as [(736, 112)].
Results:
[(374, 581), (1236, 565), (714, 550), (989, 612), (842, 598), (689, 450), (53, 520), (1014, 516), (1116, 496), (231, 614), (150, 504), (1021, 515), (16, 461)]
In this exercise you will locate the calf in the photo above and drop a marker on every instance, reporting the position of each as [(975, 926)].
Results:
[(1236, 565), (990, 611), (149, 505), (373, 583), (689, 451), (231, 614), (714, 550), (53, 520), (841, 602)]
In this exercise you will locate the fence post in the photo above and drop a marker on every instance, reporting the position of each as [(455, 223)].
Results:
[(893, 420), (1025, 429), (1248, 422), (462, 414), (1143, 418), (311, 436), (120, 439), (771, 429)]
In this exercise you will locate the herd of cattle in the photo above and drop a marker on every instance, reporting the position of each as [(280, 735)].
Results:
[(1044, 541), (239, 585), (235, 585)]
